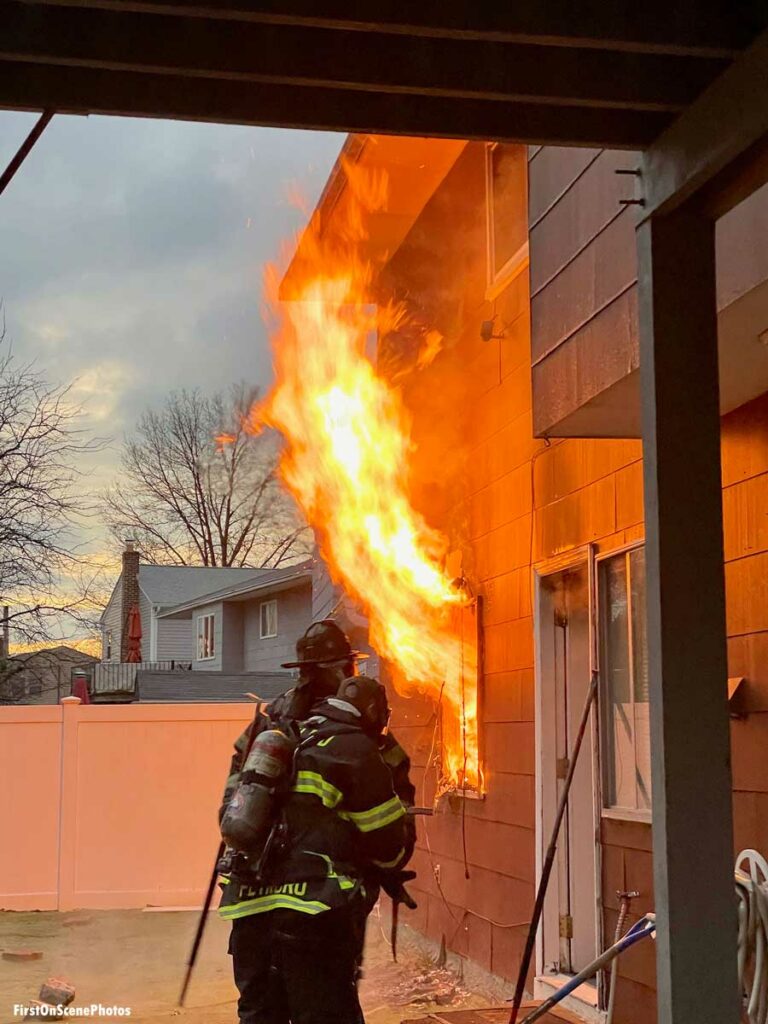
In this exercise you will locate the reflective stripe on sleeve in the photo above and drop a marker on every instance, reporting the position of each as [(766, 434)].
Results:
[(377, 817), (316, 785)]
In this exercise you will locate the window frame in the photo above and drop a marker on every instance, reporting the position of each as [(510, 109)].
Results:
[(262, 606), (498, 280), (640, 814), (206, 623)]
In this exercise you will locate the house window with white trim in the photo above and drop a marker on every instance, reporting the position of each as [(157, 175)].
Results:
[(624, 705), (506, 214), (267, 619), (206, 643)]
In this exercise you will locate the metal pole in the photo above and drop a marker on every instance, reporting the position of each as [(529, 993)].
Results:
[(549, 860), (201, 924), (25, 148)]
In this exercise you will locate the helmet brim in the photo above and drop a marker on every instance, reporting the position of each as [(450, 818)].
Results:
[(352, 656)]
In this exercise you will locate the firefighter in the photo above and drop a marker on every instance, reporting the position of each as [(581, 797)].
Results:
[(324, 657), (295, 936)]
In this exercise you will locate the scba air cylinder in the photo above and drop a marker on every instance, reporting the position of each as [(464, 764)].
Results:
[(250, 813)]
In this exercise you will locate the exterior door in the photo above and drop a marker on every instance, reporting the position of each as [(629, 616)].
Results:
[(570, 934)]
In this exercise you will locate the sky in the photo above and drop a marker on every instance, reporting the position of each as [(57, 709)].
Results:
[(131, 254)]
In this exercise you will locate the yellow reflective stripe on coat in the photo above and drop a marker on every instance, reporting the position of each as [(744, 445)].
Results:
[(377, 817), (263, 904), (316, 785), (384, 864)]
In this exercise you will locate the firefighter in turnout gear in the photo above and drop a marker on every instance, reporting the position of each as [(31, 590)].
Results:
[(297, 929)]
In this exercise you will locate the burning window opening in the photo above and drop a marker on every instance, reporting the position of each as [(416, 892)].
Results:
[(346, 461), (460, 765)]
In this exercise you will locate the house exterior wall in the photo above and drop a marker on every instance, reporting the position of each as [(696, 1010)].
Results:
[(112, 622), (473, 445), (174, 640), (294, 614), (584, 342), (511, 503)]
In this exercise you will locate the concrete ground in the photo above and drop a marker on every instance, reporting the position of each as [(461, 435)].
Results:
[(136, 959)]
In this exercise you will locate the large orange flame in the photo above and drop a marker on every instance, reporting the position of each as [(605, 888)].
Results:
[(346, 461)]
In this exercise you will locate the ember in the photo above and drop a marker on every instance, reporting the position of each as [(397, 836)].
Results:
[(346, 462)]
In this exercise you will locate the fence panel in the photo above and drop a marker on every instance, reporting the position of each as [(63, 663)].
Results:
[(135, 788), (30, 791)]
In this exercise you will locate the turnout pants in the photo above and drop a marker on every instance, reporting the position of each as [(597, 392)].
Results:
[(297, 968)]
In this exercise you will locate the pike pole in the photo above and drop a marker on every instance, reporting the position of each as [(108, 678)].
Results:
[(201, 925)]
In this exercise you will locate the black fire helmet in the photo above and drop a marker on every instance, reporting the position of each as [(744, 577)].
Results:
[(369, 697), (324, 642)]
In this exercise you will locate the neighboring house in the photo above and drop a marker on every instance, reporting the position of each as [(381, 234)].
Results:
[(188, 687), (534, 426), (246, 626), (41, 677), (218, 619)]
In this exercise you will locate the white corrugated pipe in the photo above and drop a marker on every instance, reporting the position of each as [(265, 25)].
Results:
[(752, 893)]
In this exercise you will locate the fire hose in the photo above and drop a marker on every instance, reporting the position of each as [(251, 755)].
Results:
[(751, 880)]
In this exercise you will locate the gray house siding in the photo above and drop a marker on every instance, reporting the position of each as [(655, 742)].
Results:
[(111, 623), (294, 614), (175, 641)]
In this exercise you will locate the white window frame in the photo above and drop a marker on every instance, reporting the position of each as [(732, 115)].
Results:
[(262, 608), (641, 814), (498, 280), (206, 637)]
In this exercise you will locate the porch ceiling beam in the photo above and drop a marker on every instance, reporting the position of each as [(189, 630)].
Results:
[(78, 90), (284, 54), (690, 159), (686, 27)]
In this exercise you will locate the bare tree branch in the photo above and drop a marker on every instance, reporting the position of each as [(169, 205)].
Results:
[(189, 499), (42, 504)]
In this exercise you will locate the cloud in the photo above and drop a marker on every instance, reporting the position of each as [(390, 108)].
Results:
[(131, 254)]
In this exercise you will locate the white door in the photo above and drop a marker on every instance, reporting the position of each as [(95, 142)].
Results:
[(570, 931)]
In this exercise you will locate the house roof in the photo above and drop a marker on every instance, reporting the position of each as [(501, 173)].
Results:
[(62, 652), (171, 584), (415, 168), (241, 590), (189, 687)]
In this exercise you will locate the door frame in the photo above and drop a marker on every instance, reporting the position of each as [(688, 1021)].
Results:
[(584, 555)]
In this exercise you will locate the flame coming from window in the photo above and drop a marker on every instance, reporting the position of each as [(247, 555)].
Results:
[(346, 461)]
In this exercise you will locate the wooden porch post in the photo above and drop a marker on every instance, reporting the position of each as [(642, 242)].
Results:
[(692, 817)]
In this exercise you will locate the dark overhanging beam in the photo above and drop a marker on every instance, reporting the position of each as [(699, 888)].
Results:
[(720, 138), (25, 149), (79, 90), (323, 57), (686, 627), (719, 28)]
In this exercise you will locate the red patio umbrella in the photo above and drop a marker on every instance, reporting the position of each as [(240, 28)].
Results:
[(133, 652)]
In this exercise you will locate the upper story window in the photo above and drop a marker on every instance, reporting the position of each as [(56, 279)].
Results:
[(506, 214), (108, 645), (206, 643), (268, 619), (624, 707)]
